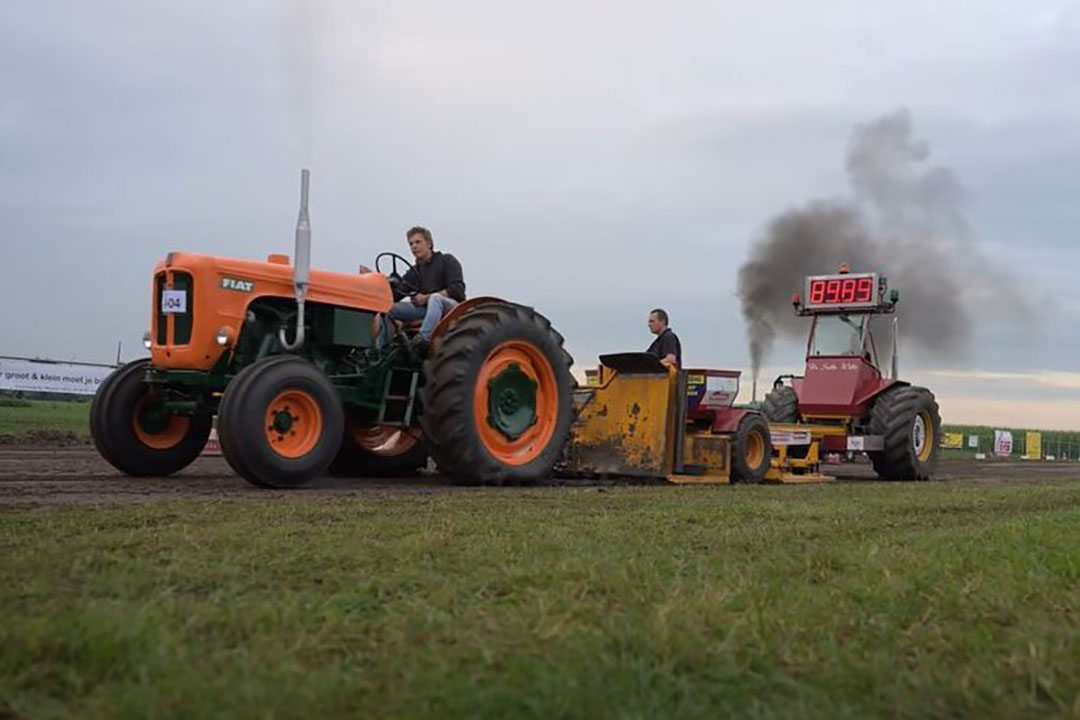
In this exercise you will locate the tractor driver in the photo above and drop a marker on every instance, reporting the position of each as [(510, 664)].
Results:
[(666, 346), (437, 280)]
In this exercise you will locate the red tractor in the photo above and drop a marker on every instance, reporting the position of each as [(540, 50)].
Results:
[(844, 402)]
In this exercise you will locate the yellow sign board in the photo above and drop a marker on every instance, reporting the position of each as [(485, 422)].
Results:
[(953, 441), (1033, 446)]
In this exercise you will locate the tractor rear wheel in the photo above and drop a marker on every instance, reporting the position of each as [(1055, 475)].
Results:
[(379, 451), (908, 420), (751, 453), (781, 405), (497, 397), (280, 422), (135, 434)]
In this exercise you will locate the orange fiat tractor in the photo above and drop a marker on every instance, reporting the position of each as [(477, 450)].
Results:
[(287, 359)]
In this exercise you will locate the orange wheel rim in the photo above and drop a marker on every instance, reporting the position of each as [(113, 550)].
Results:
[(169, 436), (294, 424), (383, 440), (526, 358), (755, 449)]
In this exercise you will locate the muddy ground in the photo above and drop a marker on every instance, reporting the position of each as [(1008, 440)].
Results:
[(34, 476)]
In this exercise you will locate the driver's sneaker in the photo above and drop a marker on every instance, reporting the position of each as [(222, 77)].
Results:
[(418, 345)]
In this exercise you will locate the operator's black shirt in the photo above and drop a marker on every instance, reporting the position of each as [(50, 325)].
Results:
[(441, 272), (667, 343)]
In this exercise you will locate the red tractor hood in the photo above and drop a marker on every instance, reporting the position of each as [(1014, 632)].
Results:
[(839, 386)]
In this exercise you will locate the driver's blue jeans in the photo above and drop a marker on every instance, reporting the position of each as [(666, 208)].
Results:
[(404, 310)]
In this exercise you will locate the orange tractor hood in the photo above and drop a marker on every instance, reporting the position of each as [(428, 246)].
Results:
[(222, 288)]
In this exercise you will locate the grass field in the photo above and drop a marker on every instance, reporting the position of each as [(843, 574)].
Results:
[(913, 600), (46, 416)]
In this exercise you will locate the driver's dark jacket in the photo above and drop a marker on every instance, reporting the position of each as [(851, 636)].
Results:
[(441, 272)]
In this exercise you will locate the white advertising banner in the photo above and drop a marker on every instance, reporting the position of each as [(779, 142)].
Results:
[(36, 376), (1003, 443)]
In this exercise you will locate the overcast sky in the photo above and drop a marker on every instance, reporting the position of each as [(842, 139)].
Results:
[(592, 159)]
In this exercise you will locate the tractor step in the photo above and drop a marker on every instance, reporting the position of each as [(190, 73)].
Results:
[(397, 408)]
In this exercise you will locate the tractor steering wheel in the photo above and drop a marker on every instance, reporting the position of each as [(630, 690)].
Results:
[(397, 281)]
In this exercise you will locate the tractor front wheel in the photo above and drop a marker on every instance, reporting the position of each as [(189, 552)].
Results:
[(135, 433), (280, 422), (908, 420), (497, 397), (751, 451)]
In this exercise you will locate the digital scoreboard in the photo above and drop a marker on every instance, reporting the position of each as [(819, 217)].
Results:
[(848, 290)]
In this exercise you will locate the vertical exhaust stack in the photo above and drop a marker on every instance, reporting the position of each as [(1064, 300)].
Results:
[(302, 266), (895, 348), (303, 237)]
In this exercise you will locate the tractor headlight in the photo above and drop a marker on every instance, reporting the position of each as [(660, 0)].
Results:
[(146, 340), (222, 336)]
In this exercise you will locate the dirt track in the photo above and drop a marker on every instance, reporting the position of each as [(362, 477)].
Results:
[(35, 477)]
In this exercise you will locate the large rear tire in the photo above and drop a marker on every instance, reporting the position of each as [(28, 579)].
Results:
[(135, 435), (379, 451), (497, 397), (751, 451), (907, 418), (781, 405), (280, 422)]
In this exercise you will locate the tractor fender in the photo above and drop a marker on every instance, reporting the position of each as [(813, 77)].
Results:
[(461, 309), (882, 386), (728, 419)]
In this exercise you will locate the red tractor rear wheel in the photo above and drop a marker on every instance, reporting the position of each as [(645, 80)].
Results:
[(908, 420), (781, 405)]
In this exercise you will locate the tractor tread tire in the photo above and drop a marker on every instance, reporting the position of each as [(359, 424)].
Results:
[(99, 411), (741, 471), (241, 417), (893, 417), (224, 415), (781, 405), (112, 428), (448, 420)]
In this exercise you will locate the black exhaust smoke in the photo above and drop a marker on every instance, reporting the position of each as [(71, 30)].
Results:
[(903, 220)]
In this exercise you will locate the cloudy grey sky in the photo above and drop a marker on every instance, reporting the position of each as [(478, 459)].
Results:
[(595, 159)]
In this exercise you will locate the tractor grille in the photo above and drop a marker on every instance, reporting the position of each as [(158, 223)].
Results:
[(182, 322), (159, 316), (174, 328)]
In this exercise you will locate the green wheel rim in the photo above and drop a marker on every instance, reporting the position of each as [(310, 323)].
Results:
[(512, 402)]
